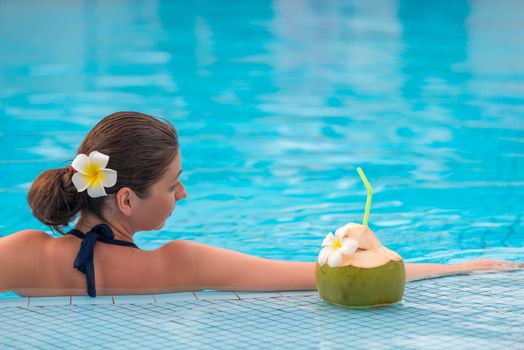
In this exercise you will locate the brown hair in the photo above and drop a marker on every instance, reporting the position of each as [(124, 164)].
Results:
[(140, 148)]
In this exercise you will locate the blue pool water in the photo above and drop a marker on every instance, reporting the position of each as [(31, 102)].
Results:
[(276, 104)]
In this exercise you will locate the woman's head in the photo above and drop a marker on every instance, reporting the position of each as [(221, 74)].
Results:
[(141, 148)]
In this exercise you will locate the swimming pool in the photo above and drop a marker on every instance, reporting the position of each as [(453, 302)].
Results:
[(276, 104)]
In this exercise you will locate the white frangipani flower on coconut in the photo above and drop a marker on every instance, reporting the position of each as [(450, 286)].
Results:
[(92, 174), (334, 247)]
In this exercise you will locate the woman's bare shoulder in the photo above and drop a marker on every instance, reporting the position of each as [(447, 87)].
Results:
[(25, 239), (29, 235), (16, 251), (33, 233)]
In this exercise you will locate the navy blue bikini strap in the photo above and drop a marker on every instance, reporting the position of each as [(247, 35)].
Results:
[(84, 259), (103, 239)]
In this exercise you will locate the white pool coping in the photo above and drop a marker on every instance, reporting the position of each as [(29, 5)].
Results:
[(147, 299)]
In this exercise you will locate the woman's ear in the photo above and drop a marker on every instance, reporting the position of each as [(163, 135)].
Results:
[(125, 199)]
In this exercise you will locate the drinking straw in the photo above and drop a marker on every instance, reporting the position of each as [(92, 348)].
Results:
[(370, 194)]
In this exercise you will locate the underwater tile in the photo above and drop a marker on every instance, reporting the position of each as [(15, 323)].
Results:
[(257, 320)]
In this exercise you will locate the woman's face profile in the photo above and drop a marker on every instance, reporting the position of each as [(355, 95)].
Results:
[(152, 211)]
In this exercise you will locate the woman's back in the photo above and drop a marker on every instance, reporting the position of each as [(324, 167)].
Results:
[(44, 267)]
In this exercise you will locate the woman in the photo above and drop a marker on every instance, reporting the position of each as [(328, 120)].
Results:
[(126, 179)]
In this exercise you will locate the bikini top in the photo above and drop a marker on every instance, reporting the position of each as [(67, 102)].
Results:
[(84, 259)]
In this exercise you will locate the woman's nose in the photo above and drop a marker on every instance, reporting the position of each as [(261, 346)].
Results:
[(182, 192)]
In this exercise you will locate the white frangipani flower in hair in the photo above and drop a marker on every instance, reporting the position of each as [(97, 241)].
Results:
[(92, 174), (334, 247)]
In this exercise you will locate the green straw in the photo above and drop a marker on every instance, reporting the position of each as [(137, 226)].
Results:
[(370, 194)]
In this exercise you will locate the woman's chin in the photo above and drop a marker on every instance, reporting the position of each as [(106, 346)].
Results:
[(163, 222), (155, 228)]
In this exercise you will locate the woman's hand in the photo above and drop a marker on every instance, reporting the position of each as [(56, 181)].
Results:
[(488, 265)]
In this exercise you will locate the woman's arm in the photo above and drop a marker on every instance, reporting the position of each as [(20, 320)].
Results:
[(209, 267), (421, 271), (200, 266)]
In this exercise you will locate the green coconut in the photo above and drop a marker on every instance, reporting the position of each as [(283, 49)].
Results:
[(372, 276)]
